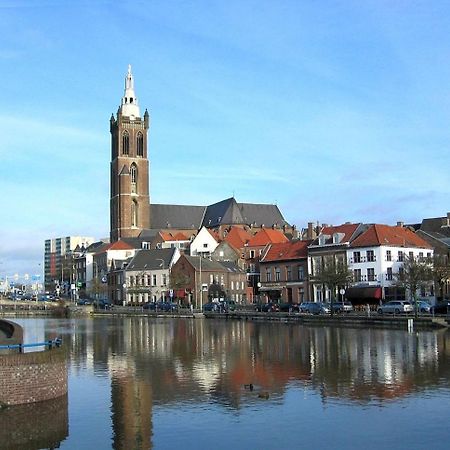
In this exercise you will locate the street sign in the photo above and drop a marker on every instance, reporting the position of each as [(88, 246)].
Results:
[(171, 293), (79, 283), (104, 279)]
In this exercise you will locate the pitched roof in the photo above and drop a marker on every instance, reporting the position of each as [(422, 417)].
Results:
[(287, 251), (119, 245), (267, 236), (208, 265), (347, 229), (181, 217), (151, 259), (225, 212), (237, 237), (438, 227), (377, 234), (166, 236)]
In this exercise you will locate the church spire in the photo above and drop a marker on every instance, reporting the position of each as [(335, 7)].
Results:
[(130, 105)]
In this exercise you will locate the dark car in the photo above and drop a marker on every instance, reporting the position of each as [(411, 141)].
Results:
[(83, 301), (290, 307), (442, 307), (315, 308), (211, 306), (227, 305), (341, 307), (267, 307)]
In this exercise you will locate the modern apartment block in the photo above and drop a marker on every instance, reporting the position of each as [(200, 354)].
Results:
[(57, 253)]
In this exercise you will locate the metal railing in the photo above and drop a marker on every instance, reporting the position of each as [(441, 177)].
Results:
[(53, 343)]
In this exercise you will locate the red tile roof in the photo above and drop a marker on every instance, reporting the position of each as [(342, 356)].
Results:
[(267, 236), (287, 250), (118, 245), (166, 236), (347, 229), (237, 237), (389, 235)]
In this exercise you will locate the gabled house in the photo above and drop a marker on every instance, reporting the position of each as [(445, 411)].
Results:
[(376, 256), (252, 254), (202, 277), (204, 243), (284, 272), (143, 278)]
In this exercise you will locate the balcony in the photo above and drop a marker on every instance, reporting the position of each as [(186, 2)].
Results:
[(362, 259)]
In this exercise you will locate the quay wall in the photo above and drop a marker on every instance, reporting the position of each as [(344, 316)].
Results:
[(32, 377)]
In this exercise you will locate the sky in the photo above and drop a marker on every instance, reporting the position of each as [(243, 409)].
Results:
[(334, 110)]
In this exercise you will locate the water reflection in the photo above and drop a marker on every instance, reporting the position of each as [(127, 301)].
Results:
[(155, 363), (36, 425)]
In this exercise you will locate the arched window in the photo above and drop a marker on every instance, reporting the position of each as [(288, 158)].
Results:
[(140, 144), (125, 143), (133, 175), (134, 213)]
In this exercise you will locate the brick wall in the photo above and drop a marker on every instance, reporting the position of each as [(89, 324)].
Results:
[(32, 377), (35, 425)]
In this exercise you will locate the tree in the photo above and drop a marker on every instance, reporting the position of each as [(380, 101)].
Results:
[(441, 272), (333, 273), (414, 274)]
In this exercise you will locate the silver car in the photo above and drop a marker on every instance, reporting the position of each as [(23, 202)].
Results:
[(315, 308), (395, 307)]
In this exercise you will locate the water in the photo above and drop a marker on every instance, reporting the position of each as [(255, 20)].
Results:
[(140, 383)]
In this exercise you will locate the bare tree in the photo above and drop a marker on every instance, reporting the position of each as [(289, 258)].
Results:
[(333, 274), (413, 275)]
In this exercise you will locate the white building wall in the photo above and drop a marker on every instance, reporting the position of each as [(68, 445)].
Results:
[(203, 243)]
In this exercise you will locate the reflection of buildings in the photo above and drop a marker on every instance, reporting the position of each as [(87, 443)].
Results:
[(35, 425), (163, 362)]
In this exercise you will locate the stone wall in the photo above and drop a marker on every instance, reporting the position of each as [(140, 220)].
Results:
[(32, 377)]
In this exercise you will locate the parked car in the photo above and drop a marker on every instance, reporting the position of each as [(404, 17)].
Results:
[(422, 306), (84, 301), (395, 307), (341, 307), (289, 307), (442, 307), (315, 308), (227, 305), (211, 306), (267, 307)]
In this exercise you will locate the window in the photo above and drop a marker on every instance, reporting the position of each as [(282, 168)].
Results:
[(140, 144), (277, 274), (356, 275), (164, 279), (154, 280), (252, 254), (370, 256), (232, 285), (301, 295), (301, 273), (388, 255), (356, 257), (134, 213), (288, 273), (205, 245), (411, 255), (268, 275), (133, 176), (371, 274), (125, 143), (146, 245), (400, 256), (389, 275), (211, 279), (429, 255)]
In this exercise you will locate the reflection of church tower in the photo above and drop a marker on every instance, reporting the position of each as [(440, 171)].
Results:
[(130, 202), (132, 404)]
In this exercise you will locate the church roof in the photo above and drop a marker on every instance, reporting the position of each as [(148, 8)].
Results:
[(225, 212), (181, 217)]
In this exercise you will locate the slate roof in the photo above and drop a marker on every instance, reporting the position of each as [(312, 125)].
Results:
[(286, 251), (210, 265), (182, 217), (225, 212), (150, 259), (377, 234), (267, 236), (437, 228)]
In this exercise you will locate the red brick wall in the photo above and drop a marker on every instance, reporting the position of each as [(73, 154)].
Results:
[(32, 377)]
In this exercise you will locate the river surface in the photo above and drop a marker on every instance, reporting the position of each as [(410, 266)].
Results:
[(140, 383)]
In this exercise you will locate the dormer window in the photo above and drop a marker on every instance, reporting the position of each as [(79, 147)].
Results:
[(322, 239)]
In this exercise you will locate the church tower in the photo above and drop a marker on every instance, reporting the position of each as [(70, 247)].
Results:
[(130, 201)]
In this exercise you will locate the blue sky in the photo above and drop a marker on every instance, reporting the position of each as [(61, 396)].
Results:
[(335, 110)]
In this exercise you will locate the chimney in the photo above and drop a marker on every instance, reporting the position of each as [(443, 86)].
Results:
[(309, 233), (400, 224)]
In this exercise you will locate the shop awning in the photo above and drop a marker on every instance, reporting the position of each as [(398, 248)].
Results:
[(363, 294)]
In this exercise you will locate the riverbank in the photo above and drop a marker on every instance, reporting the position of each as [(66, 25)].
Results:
[(341, 320)]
